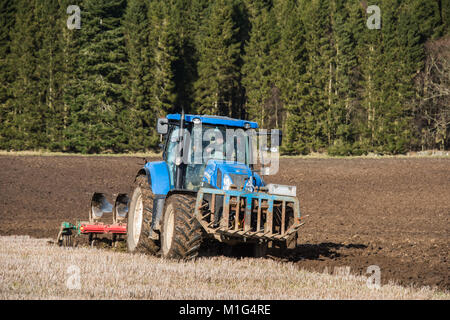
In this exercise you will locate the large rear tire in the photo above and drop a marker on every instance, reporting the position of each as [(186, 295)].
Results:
[(181, 233), (140, 218)]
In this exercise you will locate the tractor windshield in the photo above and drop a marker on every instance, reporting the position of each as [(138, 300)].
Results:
[(217, 143), (210, 142)]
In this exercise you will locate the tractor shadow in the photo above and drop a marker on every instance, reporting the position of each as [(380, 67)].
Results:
[(319, 251)]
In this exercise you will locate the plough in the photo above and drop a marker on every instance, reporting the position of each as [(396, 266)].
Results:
[(100, 207)]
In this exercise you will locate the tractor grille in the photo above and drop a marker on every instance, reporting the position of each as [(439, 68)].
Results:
[(238, 179), (258, 215)]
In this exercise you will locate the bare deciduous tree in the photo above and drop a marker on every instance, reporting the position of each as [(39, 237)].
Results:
[(433, 104)]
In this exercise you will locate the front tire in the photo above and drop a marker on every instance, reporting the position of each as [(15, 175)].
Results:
[(139, 218), (181, 233)]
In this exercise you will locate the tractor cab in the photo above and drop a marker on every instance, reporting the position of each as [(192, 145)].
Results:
[(209, 151)]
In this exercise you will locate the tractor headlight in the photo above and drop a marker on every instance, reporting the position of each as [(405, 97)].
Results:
[(226, 182), (281, 190)]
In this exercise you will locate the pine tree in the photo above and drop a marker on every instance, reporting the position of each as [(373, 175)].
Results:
[(369, 51), (444, 14), (25, 123), (50, 70), (346, 26), (218, 66), (162, 38), (7, 11), (139, 117), (185, 69), (7, 23), (289, 58), (198, 14), (98, 111), (258, 70), (71, 41), (401, 58), (319, 74)]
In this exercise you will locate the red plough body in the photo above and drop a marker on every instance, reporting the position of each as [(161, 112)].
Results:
[(101, 228)]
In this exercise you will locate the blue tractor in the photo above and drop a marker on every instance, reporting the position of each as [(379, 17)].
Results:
[(177, 203)]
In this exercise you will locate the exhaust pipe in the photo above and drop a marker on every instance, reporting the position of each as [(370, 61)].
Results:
[(120, 210)]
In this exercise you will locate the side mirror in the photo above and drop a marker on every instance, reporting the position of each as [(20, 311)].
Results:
[(162, 126), (280, 136)]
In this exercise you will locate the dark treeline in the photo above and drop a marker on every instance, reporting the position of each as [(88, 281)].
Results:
[(312, 68)]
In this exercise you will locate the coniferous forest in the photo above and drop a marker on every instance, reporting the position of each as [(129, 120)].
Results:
[(317, 69)]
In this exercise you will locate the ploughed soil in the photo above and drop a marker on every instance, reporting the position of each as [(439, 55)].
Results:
[(389, 212)]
